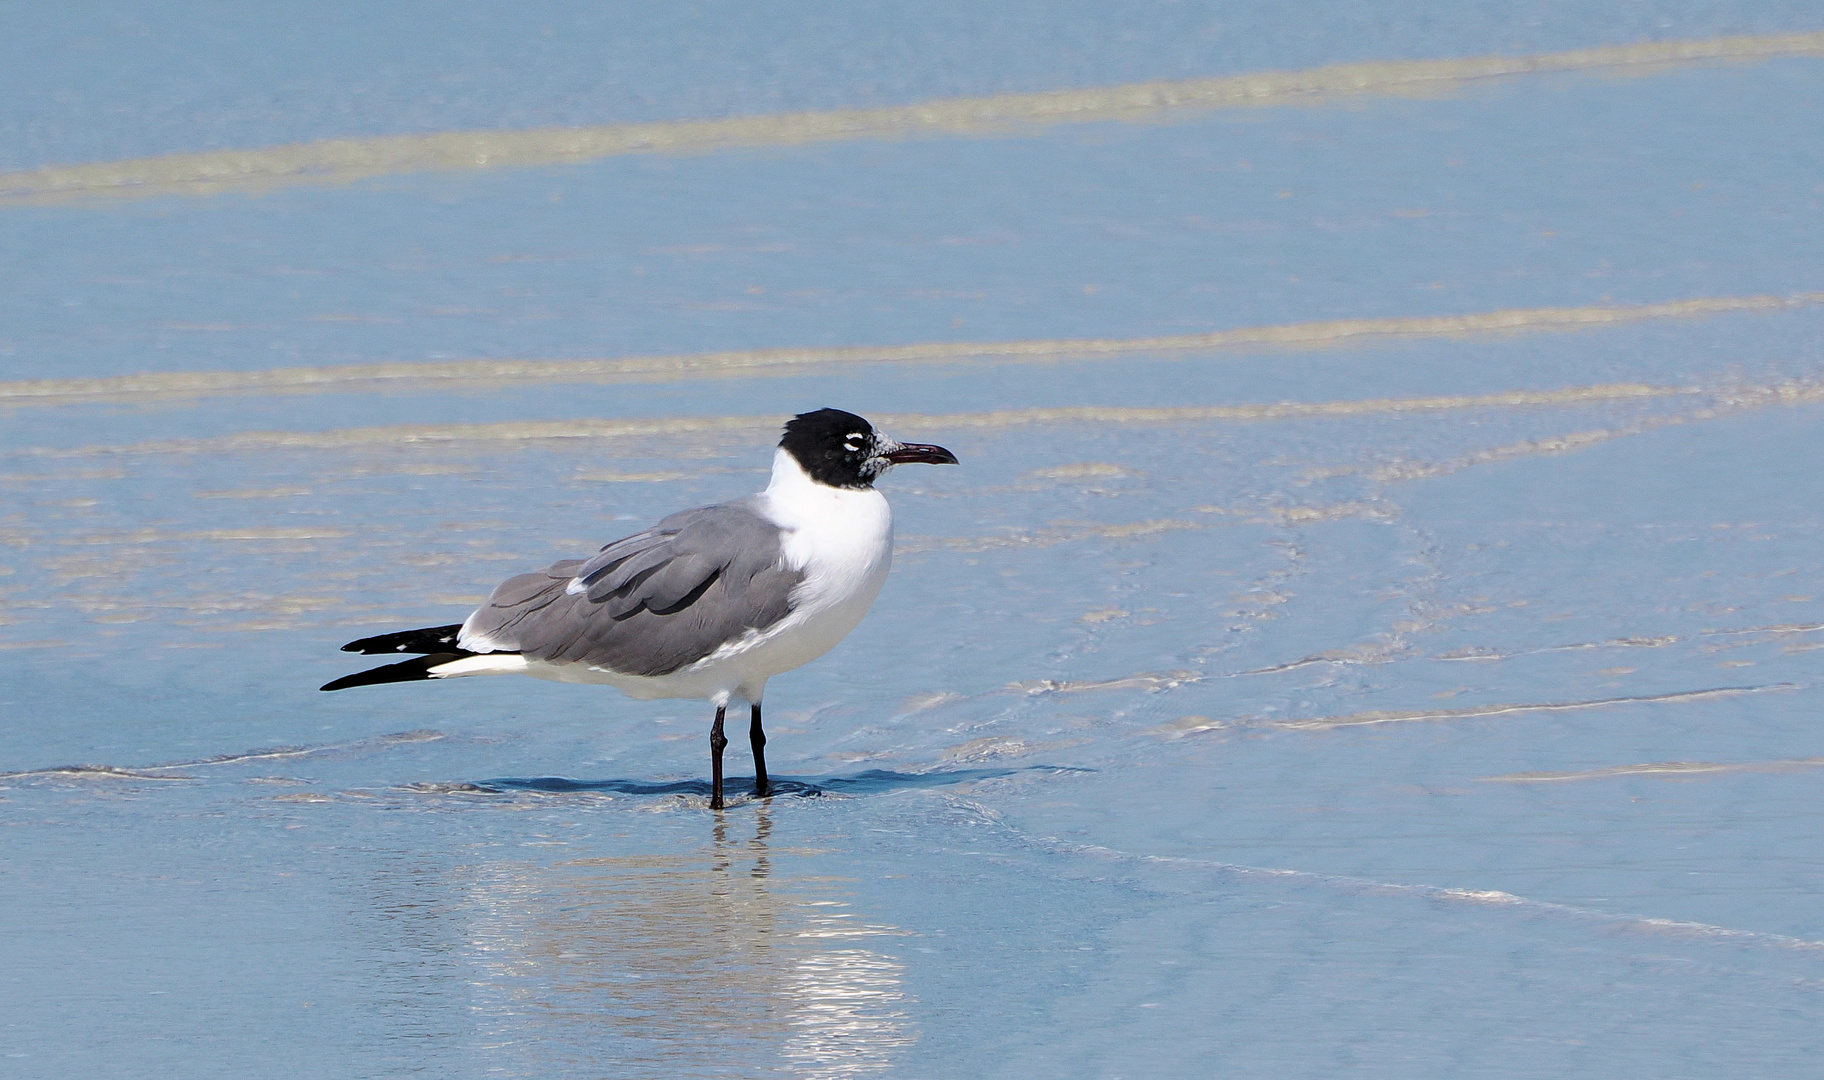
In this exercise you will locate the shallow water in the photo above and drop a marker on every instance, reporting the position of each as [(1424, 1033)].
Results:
[(1405, 697)]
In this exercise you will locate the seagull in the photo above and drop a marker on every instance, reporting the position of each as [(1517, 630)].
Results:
[(709, 603)]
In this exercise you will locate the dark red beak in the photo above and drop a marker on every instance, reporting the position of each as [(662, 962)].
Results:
[(905, 453)]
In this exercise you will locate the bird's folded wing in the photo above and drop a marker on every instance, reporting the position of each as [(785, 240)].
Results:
[(648, 604)]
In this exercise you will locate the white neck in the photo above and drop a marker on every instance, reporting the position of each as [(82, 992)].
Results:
[(790, 481), (841, 541), (829, 519)]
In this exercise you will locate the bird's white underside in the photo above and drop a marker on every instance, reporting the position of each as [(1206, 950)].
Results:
[(840, 539)]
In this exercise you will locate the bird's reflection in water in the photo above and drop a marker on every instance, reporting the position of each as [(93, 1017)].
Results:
[(705, 963)]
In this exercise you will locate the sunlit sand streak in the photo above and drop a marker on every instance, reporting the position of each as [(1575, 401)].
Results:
[(1378, 717), (1777, 630), (1667, 769), (1397, 472), (95, 772), (334, 161), (1438, 894), (1152, 682), (1737, 400), (244, 603), (1157, 682), (776, 363), (158, 536), (442, 436), (1144, 530), (107, 573), (1148, 682), (1043, 538), (1636, 642), (1795, 392), (1479, 653)]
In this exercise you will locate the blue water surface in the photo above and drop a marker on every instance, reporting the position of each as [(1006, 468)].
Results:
[(1427, 702)]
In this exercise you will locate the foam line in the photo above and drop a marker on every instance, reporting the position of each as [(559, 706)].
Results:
[(333, 161), (1671, 769), (758, 363), (271, 754), (528, 432), (1490, 898), (1366, 719), (1639, 641), (92, 772)]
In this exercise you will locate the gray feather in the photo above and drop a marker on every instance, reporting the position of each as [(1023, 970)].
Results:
[(609, 570), (623, 578), (670, 585), (524, 589), (650, 603)]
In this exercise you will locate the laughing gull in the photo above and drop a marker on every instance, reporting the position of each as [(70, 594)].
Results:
[(709, 603)]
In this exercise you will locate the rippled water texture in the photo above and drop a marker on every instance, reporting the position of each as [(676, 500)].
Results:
[(1373, 630)]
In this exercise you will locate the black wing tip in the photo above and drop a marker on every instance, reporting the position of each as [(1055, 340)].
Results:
[(430, 639), (419, 667)]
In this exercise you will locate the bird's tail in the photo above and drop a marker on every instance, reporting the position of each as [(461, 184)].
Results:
[(442, 658)]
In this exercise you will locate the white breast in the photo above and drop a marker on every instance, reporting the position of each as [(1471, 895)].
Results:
[(840, 539)]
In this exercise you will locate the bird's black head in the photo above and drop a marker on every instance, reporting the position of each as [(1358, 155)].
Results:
[(843, 450)]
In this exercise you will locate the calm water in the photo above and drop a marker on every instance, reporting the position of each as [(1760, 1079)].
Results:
[(1404, 698)]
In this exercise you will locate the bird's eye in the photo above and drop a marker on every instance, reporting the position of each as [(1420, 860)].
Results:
[(854, 443)]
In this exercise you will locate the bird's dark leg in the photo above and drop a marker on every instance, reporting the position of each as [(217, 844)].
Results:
[(758, 738), (717, 741)]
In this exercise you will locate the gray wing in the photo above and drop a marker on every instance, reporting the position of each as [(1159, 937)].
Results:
[(648, 604)]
